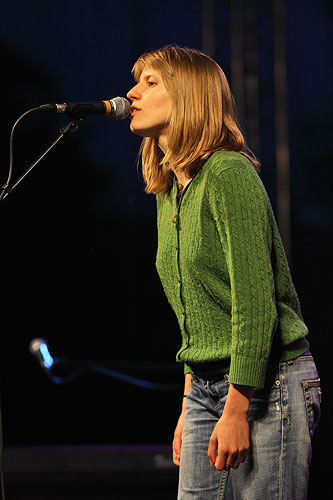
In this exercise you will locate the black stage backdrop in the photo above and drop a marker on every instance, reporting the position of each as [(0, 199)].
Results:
[(78, 238)]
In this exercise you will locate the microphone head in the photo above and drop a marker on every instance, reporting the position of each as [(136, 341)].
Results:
[(120, 108), (35, 344), (40, 349)]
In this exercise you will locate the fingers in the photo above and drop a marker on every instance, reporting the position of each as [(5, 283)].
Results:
[(232, 464), (212, 449), (176, 448), (228, 461), (223, 458), (176, 453)]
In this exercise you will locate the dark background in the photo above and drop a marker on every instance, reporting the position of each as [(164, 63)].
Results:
[(78, 237)]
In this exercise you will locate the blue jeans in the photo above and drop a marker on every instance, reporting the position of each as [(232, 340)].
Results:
[(282, 419)]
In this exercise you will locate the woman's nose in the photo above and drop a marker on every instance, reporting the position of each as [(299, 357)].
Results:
[(133, 93)]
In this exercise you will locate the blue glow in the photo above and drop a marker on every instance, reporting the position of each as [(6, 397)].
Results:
[(47, 358)]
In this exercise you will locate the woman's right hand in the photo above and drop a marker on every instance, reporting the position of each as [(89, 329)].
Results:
[(177, 440)]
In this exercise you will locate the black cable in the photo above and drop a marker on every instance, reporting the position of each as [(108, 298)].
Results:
[(66, 131), (78, 368), (6, 189)]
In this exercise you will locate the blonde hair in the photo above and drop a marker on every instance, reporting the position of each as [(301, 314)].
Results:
[(202, 118)]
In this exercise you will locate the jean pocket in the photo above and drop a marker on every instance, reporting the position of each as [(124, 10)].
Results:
[(312, 397)]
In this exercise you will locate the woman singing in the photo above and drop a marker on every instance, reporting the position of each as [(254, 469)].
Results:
[(251, 395)]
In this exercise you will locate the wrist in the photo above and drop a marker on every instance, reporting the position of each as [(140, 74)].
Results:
[(238, 400)]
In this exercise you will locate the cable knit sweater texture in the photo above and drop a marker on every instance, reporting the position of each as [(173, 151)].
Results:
[(225, 274)]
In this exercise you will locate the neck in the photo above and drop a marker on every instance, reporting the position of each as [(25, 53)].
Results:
[(182, 179), (163, 143)]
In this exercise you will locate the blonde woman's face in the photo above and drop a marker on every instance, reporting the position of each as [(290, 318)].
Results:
[(151, 105)]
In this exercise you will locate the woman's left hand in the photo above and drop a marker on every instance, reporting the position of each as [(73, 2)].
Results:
[(230, 441)]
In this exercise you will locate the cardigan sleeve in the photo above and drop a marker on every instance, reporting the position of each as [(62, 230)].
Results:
[(243, 216)]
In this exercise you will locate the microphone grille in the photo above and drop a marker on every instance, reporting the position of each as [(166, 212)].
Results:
[(121, 108), (35, 344)]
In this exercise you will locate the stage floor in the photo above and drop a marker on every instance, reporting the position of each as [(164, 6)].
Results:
[(97, 473), (90, 473)]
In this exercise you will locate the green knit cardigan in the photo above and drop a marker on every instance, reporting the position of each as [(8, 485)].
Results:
[(224, 271)]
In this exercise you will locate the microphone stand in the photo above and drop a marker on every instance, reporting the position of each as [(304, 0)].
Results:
[(66, 131)]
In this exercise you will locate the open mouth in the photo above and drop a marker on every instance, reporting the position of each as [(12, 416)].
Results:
[(134, 110)]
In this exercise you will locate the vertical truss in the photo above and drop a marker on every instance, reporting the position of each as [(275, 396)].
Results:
[(258, 75)]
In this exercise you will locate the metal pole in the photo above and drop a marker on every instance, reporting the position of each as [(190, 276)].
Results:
[(208, 28), (237, 55), (281, 124), (251, 78)]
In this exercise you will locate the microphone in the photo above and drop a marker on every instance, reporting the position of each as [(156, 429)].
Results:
[(118, 108), (40, 349)]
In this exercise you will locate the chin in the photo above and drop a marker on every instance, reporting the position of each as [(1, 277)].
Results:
[(136, 130)]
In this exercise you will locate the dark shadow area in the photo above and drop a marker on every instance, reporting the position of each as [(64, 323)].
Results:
[(78, 238)]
